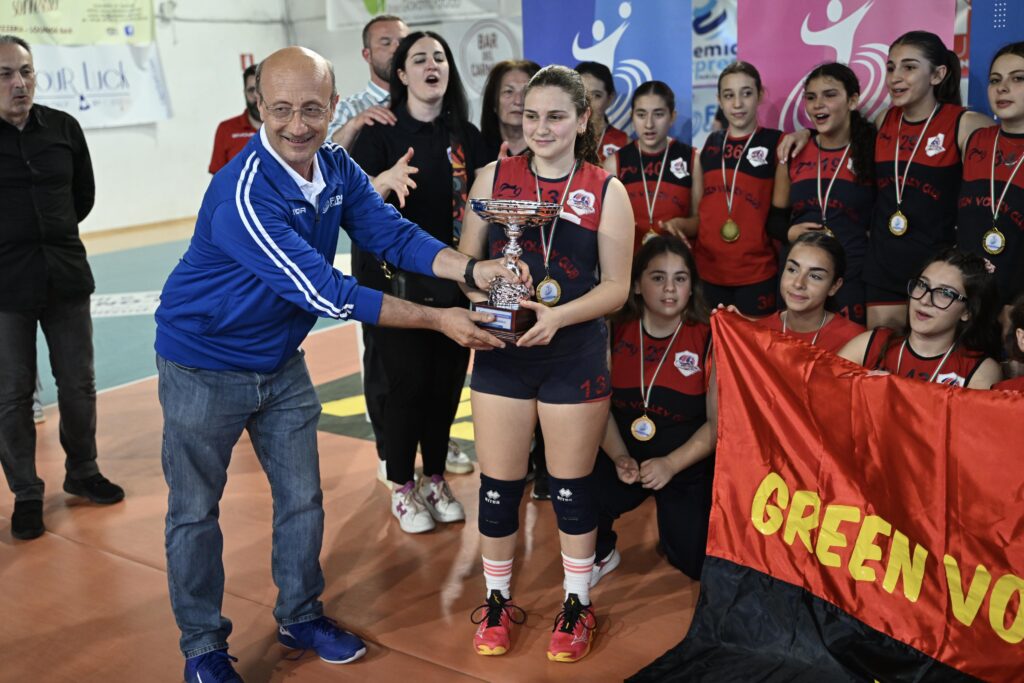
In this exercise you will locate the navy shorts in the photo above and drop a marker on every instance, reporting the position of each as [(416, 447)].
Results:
[(564, 380), (757, 299)]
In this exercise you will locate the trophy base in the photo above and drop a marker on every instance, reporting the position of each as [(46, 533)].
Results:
[(508, 324)]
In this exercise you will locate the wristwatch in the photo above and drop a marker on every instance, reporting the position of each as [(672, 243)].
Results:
[(470, 265)]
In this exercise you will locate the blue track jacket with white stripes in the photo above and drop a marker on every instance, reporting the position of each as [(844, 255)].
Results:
[(258, 270)]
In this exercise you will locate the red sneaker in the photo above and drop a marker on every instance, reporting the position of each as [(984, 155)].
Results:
[(495, 620), (573, 632)]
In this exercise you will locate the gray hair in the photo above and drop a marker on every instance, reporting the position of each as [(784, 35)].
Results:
[(8, 39)]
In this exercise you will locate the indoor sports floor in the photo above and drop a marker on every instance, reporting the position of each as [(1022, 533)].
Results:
[(88, 600)]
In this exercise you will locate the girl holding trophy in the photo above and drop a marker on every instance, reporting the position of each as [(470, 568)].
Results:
[(557, 371)]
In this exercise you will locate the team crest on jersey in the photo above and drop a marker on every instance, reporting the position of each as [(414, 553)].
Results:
[(687, 362), (678, 168), (757, 156), (849, 166), (934, 146), (950, 379), (609, 149), (582, 202)]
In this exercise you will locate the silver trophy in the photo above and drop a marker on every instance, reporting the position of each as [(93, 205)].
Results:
[(503, 296)]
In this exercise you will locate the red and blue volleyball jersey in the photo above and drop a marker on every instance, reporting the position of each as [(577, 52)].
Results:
[(612, 141), (884, 353), (672, 199), (1015, 384), (832, 337), (929, 197), (678, 400), (850, 203), (751, 258), (974, 215)]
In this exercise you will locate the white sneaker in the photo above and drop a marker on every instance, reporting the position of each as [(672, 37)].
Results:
[(457, 461), (412, 516), (439, 501), (605, 566), (382, 474)]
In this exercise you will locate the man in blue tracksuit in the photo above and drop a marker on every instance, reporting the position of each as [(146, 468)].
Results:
[(232, 316)]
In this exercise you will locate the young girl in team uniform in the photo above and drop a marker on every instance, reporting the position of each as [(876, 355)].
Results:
[(811, 277), (990, 220), (558, 371), (660, 174), (601, 90), (953, 334), (734, 252), (835, 171), (1015, 346), (658, 440)]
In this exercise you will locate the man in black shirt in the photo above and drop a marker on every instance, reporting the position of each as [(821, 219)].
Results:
[(46, 189)]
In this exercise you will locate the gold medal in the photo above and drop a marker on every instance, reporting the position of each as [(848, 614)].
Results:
[(898, 224), (642, 428), (994, 241), (730, 231), (549, 291)]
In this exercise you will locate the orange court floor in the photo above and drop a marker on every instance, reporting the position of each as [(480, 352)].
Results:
[(88, 600)]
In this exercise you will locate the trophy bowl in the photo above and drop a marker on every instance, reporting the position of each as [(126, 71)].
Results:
[(503, 295)]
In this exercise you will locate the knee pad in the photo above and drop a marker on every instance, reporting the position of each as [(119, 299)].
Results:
[(575, 507), (498, 514)]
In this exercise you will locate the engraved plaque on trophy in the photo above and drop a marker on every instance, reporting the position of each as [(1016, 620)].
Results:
[(511, 321)]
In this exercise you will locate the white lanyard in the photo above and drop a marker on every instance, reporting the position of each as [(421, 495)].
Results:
[(785, 315), (992, 180), (547, 243), (735, 171), (646, 394), (896, 155), (899, 361), (661, 172), (824, 203)]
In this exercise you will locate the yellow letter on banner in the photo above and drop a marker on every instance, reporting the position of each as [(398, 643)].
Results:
[(768, 518), (900, 564), (965, 608), (800, 524), (1001, 593), (829, 535), (864, 547)]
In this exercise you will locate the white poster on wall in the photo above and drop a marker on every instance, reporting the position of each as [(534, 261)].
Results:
[(103, 86), (349, 14)]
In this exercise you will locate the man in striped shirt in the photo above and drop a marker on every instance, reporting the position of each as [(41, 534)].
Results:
[(370, 106)]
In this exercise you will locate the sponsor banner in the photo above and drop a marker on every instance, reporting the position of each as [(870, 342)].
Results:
[(79, 22), (103, 86), (124, 304), (714, 47), (350, 14), (785, 46), (994, 23), (478, 46), (881, 496), (637, 41)]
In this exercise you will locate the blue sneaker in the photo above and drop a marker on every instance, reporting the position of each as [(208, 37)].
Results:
[(213, 667), (332, 644)]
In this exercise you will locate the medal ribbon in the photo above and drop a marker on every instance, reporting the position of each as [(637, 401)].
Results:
[(646, 395), (899, 360), (735, 171), (824, 204), (992, 180), (896, 155), (546, 244), (647, 200), (785, 315)]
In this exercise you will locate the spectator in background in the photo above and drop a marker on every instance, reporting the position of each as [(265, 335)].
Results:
[(501, 115), (381, 36), (46, 189), (233, 134)]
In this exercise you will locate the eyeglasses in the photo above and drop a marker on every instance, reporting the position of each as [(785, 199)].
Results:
[(309, 113), (942, 297)]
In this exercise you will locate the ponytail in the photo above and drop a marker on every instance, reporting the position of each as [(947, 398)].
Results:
[(937, 54), (948, 91)]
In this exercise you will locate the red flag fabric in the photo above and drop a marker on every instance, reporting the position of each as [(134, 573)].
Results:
[(898, 501)]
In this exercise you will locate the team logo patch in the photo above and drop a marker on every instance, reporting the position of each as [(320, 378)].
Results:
[(492, 496), (678, 168), (687, 362), (298, 211), (609, 150), (849, 165), (564, 495), (951, 379), (582, 202), (934, 146), (757, 156)]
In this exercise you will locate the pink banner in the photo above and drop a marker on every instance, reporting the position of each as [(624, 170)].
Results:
[(786, 45)]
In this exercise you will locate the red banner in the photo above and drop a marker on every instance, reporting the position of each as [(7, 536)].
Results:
[(898, 501)]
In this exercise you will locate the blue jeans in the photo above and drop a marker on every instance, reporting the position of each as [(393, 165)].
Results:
[(205, 412)]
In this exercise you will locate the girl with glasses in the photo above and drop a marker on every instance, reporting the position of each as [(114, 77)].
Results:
[(953, 335)]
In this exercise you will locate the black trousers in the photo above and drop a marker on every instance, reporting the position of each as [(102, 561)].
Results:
[(413, 380), (683, 511), (67, 326)]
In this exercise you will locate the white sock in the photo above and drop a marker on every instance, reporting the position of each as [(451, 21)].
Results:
[(577, 577), (498, 576)]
